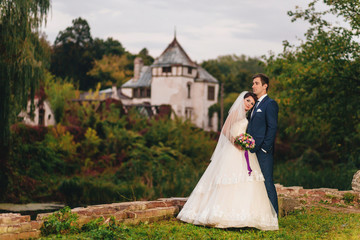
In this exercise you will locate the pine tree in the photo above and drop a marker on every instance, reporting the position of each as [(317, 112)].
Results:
[(21, 65)]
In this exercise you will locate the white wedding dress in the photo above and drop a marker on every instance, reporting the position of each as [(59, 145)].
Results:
[(226, 196)]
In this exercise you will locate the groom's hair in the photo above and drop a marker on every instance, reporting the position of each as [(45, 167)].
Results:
[(264, 79)]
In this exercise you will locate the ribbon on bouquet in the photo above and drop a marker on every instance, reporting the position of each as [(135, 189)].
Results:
[(247, 162)]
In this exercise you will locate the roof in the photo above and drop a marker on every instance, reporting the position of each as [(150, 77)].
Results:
[(204, 76), (143, 81), (104, 94), (174, 54)]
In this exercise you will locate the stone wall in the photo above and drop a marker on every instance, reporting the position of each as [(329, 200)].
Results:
[(15, 226)]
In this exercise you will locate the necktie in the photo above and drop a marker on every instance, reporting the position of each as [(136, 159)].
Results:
[(255, 107)]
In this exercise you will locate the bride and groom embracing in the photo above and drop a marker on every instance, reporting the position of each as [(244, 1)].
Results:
[(230, 194)]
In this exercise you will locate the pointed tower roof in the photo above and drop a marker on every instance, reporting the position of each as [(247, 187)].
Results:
[(174, 54)]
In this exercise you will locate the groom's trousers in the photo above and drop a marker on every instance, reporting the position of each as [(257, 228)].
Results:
[(266, 162)]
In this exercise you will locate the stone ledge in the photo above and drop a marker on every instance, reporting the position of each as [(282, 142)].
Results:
[(15, 226), (12, 218)]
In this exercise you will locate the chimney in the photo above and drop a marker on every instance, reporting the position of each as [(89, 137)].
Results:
[(114, 92), (138, 64)]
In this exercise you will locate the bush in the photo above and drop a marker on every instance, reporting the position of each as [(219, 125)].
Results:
[(297, 173), (60, 222)]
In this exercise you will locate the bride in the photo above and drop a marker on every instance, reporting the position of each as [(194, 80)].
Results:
[(226, 195)]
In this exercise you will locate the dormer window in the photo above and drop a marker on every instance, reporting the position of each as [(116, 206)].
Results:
[(189, 70), (166, 69)]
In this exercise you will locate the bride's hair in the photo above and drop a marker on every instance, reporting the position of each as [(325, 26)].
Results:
[(250, 94)]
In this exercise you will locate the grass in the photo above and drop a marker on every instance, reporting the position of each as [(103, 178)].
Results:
[(314, 223)]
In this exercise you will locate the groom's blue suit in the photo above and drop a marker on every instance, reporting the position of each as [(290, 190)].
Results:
[(262, 126)]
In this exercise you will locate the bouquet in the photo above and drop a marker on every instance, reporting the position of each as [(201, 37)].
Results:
[(246, 142)]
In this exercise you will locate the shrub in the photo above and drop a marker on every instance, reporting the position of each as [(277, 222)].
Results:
[(348, 198), (60, 222)]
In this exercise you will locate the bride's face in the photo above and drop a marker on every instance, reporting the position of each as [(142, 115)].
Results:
[(249, 103)]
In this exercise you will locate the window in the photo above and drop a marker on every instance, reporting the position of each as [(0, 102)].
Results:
[(211, 93), (188, 113), (166, 69), (189, 90), (189, 70), (41, 117), (142, 92), (135, 92)]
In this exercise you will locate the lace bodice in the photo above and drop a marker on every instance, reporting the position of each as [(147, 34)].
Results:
[(239, 127)]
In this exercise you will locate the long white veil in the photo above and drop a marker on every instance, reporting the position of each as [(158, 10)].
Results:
[(236, 113)]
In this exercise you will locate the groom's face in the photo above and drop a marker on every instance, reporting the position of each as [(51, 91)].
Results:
[(258, 88)]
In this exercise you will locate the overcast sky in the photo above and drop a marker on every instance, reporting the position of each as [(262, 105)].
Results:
[(205, 28)]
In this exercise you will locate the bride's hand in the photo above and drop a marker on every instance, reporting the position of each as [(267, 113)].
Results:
[(238, 147)]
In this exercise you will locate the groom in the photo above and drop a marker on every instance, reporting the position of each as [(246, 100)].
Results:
[(262, 126)]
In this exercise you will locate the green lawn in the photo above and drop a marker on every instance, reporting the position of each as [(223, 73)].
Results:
[(315, 223)]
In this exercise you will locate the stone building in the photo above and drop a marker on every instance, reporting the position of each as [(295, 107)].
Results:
[(176, 80)]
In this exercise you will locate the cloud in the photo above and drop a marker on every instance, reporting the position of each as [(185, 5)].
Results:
[(205, 28)]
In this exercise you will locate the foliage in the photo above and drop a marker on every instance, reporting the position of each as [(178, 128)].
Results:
[(22, 62), (147, 59), (317, 84), (21, 56), (234, 71), (109, 47), (58, 93), (60, 222), (90, 146), (151, 159), (112, 69), (62, 141), (72, 54), (315, 223), (86, 62), (92, 190), (348, 197), (298, 173)]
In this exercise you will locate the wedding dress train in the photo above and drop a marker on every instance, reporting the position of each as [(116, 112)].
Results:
[(226, 196)]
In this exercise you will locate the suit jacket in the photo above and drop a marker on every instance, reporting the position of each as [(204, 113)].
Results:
[(263, 124)]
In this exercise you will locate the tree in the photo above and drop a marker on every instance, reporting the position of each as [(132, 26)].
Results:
[(59, 93), (108, 47), (147, 59), (72, 54), (234, 74), (318, 83), (112, 69), (234, 71), (21, 65)]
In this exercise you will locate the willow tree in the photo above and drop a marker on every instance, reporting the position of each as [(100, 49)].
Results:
[(21, 64)]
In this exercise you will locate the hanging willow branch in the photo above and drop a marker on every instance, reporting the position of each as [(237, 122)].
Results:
[(21, 64)]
